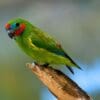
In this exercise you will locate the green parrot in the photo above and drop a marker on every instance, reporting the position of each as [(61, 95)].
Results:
[(38, 44)]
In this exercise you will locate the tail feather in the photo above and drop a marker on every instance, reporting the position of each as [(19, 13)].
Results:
[(70, 69), (73, 61)]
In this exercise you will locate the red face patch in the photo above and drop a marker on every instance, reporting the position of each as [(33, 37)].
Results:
[(7, 26), (20, 29)]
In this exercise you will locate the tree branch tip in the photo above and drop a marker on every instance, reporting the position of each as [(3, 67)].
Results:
[(30, 66)]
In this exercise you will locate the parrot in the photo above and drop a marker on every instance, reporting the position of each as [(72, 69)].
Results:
[(39, 45)]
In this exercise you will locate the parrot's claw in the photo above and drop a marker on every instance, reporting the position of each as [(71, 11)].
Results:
[(31, 65), (45, 65)]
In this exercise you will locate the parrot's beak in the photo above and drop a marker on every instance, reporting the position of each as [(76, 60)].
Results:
[(9, 30), (10, 33)]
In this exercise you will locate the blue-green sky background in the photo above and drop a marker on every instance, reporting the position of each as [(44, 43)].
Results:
[(74, 23)]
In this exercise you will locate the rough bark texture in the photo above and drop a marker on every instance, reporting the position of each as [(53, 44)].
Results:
[(58, 83)]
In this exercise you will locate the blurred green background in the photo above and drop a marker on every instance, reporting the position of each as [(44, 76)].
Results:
[(74, 23)]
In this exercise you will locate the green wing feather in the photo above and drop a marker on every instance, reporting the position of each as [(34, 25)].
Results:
[(44, 41)]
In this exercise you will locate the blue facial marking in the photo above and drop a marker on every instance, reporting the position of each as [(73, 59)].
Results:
[(13, 26)]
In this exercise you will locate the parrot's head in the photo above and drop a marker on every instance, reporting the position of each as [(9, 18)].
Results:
[(16, 27)]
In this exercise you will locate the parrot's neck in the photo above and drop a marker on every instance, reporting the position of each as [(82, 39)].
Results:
[(19, 41)]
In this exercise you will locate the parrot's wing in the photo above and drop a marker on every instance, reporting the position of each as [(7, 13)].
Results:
[(44, 41)]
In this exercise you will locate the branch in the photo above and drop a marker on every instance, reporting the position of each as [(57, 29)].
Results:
[(58, 83)]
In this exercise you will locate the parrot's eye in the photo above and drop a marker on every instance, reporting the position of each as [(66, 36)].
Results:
[(17, 24)]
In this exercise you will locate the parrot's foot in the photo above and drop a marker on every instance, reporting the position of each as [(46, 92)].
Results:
[(45, 65), (29, 65), (33, 64)]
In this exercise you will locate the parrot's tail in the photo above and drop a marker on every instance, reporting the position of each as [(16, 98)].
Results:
[(70, 69), (72, 62)]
